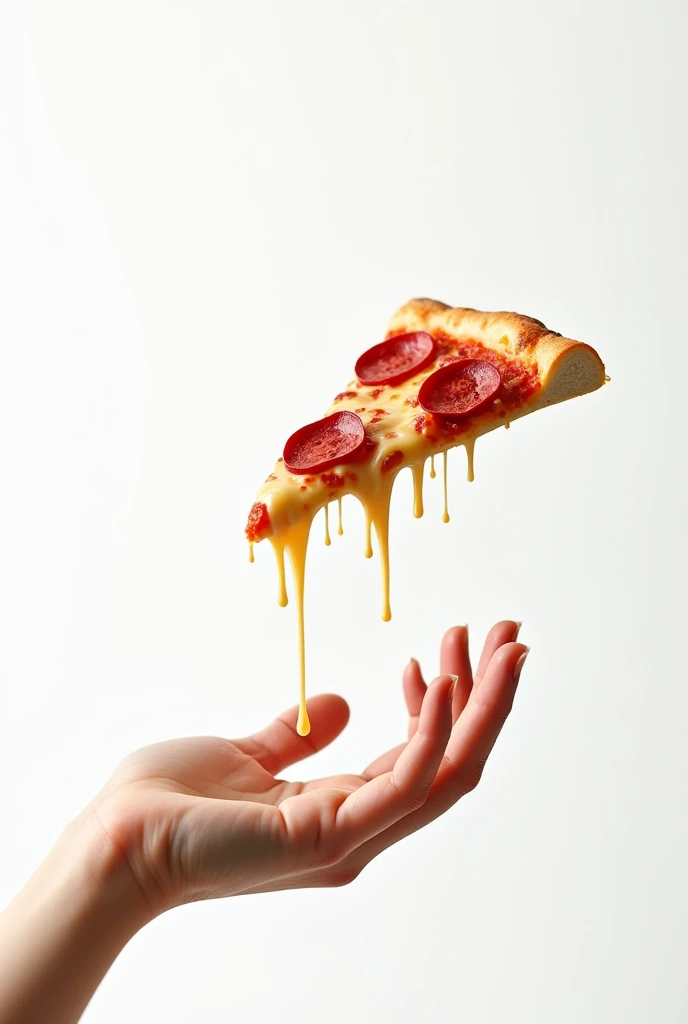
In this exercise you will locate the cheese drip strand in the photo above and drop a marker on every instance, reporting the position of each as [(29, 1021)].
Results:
[(376, 505)]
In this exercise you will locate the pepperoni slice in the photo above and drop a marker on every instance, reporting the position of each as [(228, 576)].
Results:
[(396, 359), (323, 444), (460, 388)]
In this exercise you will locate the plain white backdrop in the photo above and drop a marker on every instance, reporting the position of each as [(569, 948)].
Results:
[(208, 210)]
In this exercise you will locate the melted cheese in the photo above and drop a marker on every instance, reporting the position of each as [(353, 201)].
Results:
[(445, 513), (418, 471), (294, 542), (296, 547), (278, 548), (470, 451)]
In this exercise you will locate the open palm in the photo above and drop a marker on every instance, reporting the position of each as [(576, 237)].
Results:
[(208, 817)]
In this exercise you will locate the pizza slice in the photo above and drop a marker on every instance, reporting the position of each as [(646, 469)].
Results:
[(441, 378)]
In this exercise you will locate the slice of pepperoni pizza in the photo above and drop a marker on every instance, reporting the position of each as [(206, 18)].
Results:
[(440, 379)]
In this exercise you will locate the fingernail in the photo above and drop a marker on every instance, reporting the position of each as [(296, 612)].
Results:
[(452, 688), (520, 663), (518, 630)]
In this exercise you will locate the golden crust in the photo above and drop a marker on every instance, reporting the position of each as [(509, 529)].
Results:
[(566, 368)]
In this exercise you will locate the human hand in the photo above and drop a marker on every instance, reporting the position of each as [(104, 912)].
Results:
[(208, 817)]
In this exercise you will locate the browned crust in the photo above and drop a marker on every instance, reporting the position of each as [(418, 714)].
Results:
[(523, 331), (566, 368)]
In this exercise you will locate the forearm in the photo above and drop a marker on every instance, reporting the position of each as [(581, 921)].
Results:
[(63, 931)]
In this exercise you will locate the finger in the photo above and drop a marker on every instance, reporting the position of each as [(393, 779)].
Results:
[(472, 739), (392, 795), (483, 718), (279, 745), (502, 633), (454, 660), (414, 692), (415, 689)]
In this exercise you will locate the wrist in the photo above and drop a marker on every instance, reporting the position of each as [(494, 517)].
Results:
[(88, 854), (66, 927)]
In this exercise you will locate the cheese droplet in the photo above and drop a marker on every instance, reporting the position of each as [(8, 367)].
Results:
[(418, 470), (368, 540), (278, 548), (470, 450), (327, 526), (377, 513)]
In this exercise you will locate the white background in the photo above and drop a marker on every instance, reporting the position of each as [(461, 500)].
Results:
[(208, 211)]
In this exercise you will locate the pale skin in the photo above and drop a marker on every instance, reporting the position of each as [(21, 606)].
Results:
[(205, 818)]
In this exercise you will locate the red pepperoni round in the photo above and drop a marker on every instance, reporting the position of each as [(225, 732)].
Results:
[(325, 443), (396, 359), (460, 388)]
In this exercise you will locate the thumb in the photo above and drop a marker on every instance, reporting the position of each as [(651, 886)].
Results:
[(279, 745)]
